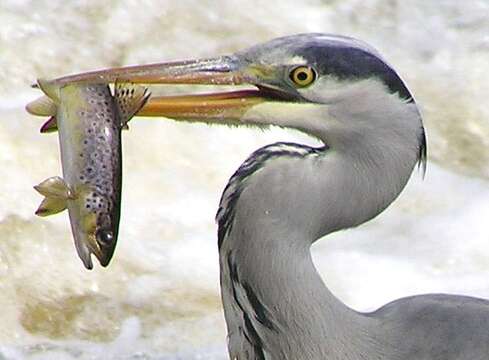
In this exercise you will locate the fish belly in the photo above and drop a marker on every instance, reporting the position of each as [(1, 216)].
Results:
[(90, 142)]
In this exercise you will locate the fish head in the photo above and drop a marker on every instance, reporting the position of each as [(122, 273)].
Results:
[(95, 228), (106, 236)]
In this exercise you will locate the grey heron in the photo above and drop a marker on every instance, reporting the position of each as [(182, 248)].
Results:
[(286, 196)]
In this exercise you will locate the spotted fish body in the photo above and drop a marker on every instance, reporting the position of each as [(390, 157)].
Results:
[(89, 120), (90, 141)]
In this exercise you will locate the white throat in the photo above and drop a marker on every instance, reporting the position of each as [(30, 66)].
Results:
[(273, 297)]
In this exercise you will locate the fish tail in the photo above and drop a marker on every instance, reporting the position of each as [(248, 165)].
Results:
[(50, 126), (50, 88), (42, 106)]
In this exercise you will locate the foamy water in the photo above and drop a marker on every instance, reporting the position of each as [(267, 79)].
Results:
[(159, 298)]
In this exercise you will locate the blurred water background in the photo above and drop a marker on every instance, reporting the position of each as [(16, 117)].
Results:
[(159, 298)]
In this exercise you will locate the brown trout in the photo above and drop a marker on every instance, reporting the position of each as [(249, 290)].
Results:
[(89, 120)]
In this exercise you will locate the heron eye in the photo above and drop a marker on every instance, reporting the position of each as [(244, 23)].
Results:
[(303, 76)]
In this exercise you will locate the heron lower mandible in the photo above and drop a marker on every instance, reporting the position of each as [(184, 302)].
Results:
[(286, 196)]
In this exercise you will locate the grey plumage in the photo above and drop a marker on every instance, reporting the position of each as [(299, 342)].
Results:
[(286, 196)]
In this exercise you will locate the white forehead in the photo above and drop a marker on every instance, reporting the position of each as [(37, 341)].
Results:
[(284, 49), (345, 41), (294, 60)]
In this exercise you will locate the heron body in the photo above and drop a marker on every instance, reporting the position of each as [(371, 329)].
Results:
[(276, 304), (285, 197)]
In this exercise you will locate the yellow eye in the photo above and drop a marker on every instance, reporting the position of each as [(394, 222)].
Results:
[(303, 76)]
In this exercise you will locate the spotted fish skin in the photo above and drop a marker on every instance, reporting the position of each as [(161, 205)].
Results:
[(89, 120), (92, 167)]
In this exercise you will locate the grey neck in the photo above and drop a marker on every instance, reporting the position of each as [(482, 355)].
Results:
[(277, 307), (274, 300), (275, 303)]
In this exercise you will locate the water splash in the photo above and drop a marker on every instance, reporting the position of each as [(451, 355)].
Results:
[(159, 298)]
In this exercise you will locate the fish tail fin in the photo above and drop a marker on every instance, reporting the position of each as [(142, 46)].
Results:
[(129, 98), (50, 88), (49, 126), (42, 106), (56, 194)]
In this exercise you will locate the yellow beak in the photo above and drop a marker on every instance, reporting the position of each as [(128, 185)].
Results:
[(227, 107)]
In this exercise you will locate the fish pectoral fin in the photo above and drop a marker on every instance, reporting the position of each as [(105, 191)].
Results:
[(55, 187), (42, 106), (49, 126), (56, 193), (51, 206), (129, 99)]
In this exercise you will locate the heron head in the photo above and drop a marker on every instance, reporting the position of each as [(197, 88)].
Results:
[(319, 68), (335, 88)]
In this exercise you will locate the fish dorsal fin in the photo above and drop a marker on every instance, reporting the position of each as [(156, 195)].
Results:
[(129, 98), (42, 106)]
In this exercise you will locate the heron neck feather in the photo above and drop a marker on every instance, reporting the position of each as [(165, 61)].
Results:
[(266, 269), (275, 302)]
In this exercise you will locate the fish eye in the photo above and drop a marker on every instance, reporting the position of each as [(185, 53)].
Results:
[(105, 237), (303, 76)]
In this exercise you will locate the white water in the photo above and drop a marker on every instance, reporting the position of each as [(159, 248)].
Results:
[(159, 297)]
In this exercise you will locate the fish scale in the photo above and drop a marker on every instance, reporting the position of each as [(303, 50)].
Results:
[(89, 120), (103, 160)]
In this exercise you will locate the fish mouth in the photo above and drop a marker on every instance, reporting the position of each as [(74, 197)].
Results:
[(227, 106), (101, 243), (257, 85)]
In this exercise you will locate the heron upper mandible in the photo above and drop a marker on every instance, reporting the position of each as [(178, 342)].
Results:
[(286, 196)]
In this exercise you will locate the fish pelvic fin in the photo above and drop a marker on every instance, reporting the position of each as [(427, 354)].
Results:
[(49, 126), (56, 194), (129, 99), (42, 106)]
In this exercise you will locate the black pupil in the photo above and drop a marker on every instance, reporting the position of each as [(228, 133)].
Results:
[(105, 237), (302, 75)]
